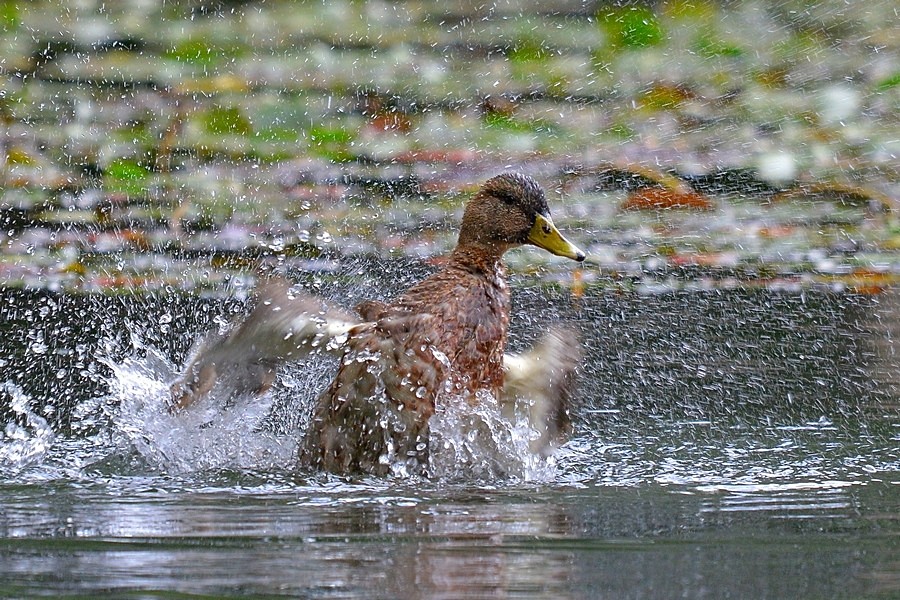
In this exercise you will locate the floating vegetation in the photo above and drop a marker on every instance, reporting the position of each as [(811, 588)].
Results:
[(127, 177), (632, 26), (142, 144)]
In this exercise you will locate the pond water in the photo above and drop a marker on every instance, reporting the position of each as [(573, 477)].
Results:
[(726, 444)]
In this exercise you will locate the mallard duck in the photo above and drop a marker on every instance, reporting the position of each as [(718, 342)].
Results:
[(441, 340)]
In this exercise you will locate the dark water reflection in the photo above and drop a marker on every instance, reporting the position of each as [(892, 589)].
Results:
[(646, 542), (734, 355), (742, 356), (735, 444)]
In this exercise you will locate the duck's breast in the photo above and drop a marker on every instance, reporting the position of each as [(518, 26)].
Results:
[(471, 332)]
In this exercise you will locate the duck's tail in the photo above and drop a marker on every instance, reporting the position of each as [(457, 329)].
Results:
[(284, 325)]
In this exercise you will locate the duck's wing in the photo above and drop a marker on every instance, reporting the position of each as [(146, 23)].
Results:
[(287, 324), (540, 384), (284, 325)]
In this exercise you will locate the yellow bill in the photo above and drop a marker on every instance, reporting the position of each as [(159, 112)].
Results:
[(545, 235)]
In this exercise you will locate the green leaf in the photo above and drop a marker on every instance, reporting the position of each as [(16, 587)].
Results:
[(195, 52), (710, 48), (632, 26), (888, 83), (527, 51), (126, 176), (227, 121), (9, 15), (332, 143)]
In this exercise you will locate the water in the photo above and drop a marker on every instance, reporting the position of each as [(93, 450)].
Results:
[(147, 536), (727, 444)]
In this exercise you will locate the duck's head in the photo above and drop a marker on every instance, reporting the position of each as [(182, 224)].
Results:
[(511, 210)]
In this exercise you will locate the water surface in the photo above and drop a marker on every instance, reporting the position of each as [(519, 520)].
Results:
[(727, 444)]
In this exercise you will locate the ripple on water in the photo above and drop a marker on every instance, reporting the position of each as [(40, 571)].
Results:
[(129, 431), (783, 500), (765, 462)]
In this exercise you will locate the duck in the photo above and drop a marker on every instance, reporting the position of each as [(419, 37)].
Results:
[(440, 343)]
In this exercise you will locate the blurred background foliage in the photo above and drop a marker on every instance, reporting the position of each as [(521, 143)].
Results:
[(145, 140)]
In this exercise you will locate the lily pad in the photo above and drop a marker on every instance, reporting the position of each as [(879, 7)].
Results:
[(127, 177), (9, 15), (221, 120), (632, 26)]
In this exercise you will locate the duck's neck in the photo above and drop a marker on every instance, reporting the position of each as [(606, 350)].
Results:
[(478, 258)]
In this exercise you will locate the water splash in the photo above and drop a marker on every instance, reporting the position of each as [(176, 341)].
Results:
[(219, 433), (25, 438), (246, 432), (477, 443)]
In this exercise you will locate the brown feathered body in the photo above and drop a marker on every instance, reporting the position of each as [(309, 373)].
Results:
[(443, 339), (440, 342), (287, 325)]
